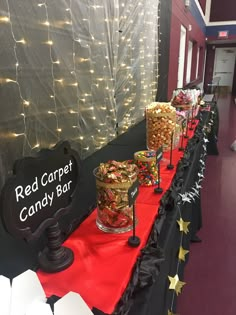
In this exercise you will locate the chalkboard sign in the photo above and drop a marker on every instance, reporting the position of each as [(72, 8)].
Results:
[(159, 155), (133, 192), (40, 191)]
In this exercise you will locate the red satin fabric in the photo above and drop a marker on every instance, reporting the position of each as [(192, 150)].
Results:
[(103, 262)]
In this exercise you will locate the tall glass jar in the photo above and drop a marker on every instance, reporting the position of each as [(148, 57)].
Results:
[(113, 180), (160, 124)]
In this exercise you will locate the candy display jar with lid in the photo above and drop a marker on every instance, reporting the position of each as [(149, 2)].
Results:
[(160, 124), (113, 180)]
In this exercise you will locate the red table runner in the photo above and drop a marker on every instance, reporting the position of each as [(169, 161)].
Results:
[(104, 262)]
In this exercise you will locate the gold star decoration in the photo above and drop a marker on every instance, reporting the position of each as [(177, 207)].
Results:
[(182, 253), (176, 284), (183, 226)]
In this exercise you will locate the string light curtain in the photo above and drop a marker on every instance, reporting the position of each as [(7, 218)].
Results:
[(81, 70)]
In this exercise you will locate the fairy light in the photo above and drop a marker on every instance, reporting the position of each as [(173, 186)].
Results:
[(4, 19), (136, 69), (50, 43), (24, 102)]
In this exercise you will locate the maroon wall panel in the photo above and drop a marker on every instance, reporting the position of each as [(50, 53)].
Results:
[(209, 68), (203, 5), (223, 10), (181, 15)]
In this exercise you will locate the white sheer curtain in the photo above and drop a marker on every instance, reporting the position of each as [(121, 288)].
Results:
[(81, 70)]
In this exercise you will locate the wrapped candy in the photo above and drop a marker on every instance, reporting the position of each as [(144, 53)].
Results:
[(183, 99), (148, 171), (160, 123), (113, 179)]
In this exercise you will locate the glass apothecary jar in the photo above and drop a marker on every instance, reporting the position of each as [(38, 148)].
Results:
[(148, 169), (160, 124), (113, 180)]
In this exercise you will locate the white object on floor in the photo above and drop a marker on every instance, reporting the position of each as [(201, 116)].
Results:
[(71, 304), (5, 295), (39, 308), (26, 288), (27, 297)]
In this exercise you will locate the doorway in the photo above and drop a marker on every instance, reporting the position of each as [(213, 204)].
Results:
[(181, 59), (224, 67)]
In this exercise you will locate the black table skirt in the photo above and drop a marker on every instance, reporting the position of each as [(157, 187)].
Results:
[(148, 291)]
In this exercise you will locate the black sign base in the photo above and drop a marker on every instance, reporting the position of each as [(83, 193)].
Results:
[(55, 257), (170, 166), (63, 261), (134, 241), (158, 190)]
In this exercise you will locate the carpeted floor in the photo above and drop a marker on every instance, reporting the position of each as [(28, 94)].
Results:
[(211, 271)]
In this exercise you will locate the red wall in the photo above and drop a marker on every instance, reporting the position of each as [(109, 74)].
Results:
[(223, 10), (181, 15)]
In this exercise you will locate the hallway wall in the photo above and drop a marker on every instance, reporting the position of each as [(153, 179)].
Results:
[(190, 18)]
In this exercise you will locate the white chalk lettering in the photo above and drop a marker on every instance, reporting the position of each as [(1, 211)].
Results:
[(31, 211), (59, 190), (134, 192), (44, 181), (47, 200), (63, 189), (21, 192), (56, 175), (23, 217), (50, 197), (38, 206)]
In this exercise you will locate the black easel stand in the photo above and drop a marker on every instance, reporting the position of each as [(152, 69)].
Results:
[(158, 189), (194, 122), (55, 257), (181, 148), (170, 166), (191, 125), (134, 240), (186, 133)]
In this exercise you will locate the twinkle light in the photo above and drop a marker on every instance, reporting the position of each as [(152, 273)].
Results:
[(18, 134), (46, 23), (106, 82), (49, 42), (26, 103), (37, 145), (10, 80), (59, 80), (4, 19), (16, 42)]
